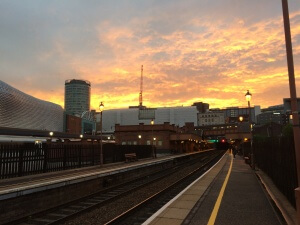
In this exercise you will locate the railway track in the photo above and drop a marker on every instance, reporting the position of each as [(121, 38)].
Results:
[(142, 211), (73, 213)]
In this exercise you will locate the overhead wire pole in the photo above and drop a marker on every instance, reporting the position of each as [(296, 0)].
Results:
[(293, 94)]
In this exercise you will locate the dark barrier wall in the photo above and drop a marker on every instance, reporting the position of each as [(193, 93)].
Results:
[(276, 157), (28, 158)]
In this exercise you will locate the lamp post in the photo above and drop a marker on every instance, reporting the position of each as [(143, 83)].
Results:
[(101, 107), (51, 135), (293, 94), (248, 96), (152, 123)]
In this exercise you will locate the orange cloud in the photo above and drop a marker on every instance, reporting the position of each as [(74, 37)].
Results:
[(214, 62)]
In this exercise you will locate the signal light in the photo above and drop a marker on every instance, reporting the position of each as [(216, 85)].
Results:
[(223, 140)]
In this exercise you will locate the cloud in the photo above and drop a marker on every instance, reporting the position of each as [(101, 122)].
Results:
[(211, 51)]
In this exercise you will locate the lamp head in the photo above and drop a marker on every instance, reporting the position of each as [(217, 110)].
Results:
[(248, 96), (101, 107)]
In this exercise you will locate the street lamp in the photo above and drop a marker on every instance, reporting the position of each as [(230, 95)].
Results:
[(101, 107), (51, 135), (140, 136), (152, 123), (248, 96), (241, 118), (81, 136)]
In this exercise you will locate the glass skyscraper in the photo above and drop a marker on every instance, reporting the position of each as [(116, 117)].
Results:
[(77, 96)]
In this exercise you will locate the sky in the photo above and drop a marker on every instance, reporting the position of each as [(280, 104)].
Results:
[(209, 51)]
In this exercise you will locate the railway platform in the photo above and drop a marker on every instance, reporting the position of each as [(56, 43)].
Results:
[(15, 187), (230, 193)]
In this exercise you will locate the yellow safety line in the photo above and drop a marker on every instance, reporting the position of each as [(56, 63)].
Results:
[(214, 213)]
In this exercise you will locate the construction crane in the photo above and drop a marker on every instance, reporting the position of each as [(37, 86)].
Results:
[(141, 90)]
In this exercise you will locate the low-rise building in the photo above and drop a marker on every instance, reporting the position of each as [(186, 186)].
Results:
[(272, 117), (164, 137), (211, 118)]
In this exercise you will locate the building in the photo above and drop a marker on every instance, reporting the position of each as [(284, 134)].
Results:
[(274, 117), (77, 96), (178, 116), (73, 124), (211, 118), (20, 110), (236, 112), (274, 108), (287, 105), (164, 137), (201, 107)]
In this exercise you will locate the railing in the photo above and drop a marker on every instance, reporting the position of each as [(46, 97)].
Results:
[(276, 157), (27, 158)]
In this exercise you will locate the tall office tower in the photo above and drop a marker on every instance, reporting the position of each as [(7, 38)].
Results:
[(77, 96)]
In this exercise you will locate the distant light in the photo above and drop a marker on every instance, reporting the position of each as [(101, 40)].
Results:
[(51, 133), (223, 140), (108, 138), (276, 113), (81, 136), (245, 139), (140, 136)]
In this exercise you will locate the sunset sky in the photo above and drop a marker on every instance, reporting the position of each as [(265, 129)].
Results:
[(192, 50)]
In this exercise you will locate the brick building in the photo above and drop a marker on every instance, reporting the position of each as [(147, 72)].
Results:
[(165, 137)]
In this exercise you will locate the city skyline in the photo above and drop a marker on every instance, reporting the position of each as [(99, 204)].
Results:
[(191, 51)]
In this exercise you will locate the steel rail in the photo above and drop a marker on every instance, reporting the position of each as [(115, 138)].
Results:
[(128, 187), (122, 217)]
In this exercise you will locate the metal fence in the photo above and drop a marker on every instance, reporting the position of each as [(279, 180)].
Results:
[(28, 158), (276, 157)]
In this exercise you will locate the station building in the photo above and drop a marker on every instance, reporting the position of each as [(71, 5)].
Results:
[(164, 137)]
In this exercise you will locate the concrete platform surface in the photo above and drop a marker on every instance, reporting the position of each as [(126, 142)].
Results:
[(229, 194)]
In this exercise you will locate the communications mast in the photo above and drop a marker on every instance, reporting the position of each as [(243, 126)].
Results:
[(141, 90)]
